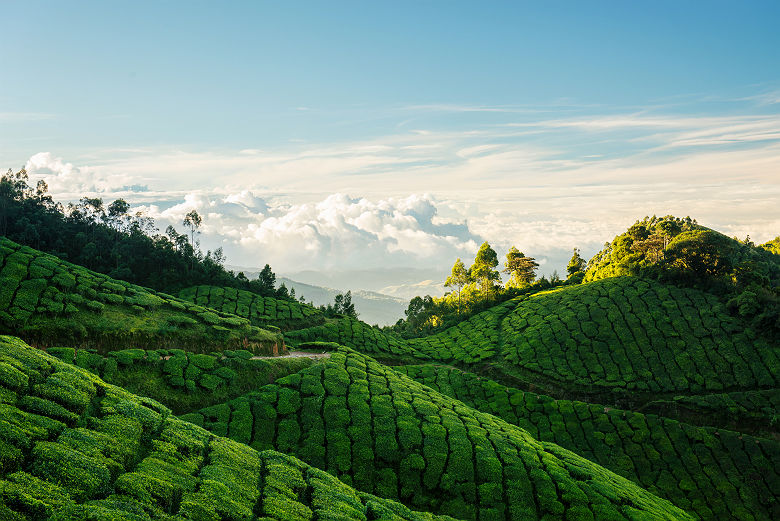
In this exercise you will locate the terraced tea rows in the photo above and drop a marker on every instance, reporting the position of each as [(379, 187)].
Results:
[(746, 411), (471, 341), (73, 447), (260, 311), (182, 381), (629, 333), (48, 301), (357, 335), (388, 435), (715, 474)]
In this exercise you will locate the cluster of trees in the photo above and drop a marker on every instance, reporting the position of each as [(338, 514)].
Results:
[(342, 305), (479, 286), (111, 239), (684, 253)]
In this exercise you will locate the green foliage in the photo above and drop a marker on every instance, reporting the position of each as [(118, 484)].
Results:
[(78, 307), (386, 434), (163, 377), (633, 334), (259, 310), (680, 252), (639, 447), (133, 460)]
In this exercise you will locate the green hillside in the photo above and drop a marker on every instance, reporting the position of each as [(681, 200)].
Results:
[(48, 301), (73, 447), (357, 335), (385, 434), (469, 342), (183, 381), (260, 311), (622, 334), (713, 473), (745, 411), (640, 335)]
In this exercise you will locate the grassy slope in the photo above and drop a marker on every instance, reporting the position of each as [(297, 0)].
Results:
[(48, 301), (715, 474), (183, 382), (260, 311), (73, 447), (385, 434)]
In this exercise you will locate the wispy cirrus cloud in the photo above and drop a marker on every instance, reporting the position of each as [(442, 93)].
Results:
[(16, 117)]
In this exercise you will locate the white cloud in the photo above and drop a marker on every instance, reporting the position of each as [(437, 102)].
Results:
[(545, 186), (336, 232)]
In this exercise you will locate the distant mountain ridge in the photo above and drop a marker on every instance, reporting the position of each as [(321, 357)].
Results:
[(373, 307)]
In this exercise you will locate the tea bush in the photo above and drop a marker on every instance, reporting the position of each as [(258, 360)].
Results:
[(260, 311), (129, 458), (640, 335), (383, 433), (713, 473), (48, 301)]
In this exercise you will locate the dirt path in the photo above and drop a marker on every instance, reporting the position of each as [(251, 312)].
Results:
[(294, 354)]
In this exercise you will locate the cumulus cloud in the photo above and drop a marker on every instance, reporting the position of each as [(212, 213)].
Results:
[(67, 180), (543, 185), (338, 231)]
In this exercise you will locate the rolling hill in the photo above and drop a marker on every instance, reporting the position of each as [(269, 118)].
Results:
[(710, 472), (48, 301), (385, 434), (74, 447)]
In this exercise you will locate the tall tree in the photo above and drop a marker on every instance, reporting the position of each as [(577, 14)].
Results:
[(192, 221), (483, 269), (521, 269), (267, 280), (458, 278), (576, 264)]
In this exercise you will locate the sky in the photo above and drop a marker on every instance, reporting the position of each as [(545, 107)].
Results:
[(361, 135)]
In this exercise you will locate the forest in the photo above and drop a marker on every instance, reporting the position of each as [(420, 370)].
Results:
[(141, 380)]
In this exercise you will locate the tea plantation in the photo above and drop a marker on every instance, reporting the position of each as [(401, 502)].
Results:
[(357, 335), (713, 473), (73, 447), (387, 435), (260, 311), (183, 381), (746, 411), (48, 301), (640, 335), (471, 341)]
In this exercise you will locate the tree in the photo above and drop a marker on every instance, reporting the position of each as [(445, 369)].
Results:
[(117, 212), (576, 264), (484, 266), (267, 281), (458, 278), (521, 269), (192, 221)]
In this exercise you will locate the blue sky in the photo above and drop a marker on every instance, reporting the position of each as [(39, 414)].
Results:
[(546, 125)]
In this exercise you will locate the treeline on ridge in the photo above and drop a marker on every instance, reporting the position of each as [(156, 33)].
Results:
[(112, 240)]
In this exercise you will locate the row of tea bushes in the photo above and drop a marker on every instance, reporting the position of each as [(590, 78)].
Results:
[(640, 335), (73, 448), (260, 311), (471, 341), (183, 381), (755, 410), (387, 435), (357, 335), (715, 474), (49, 301)]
